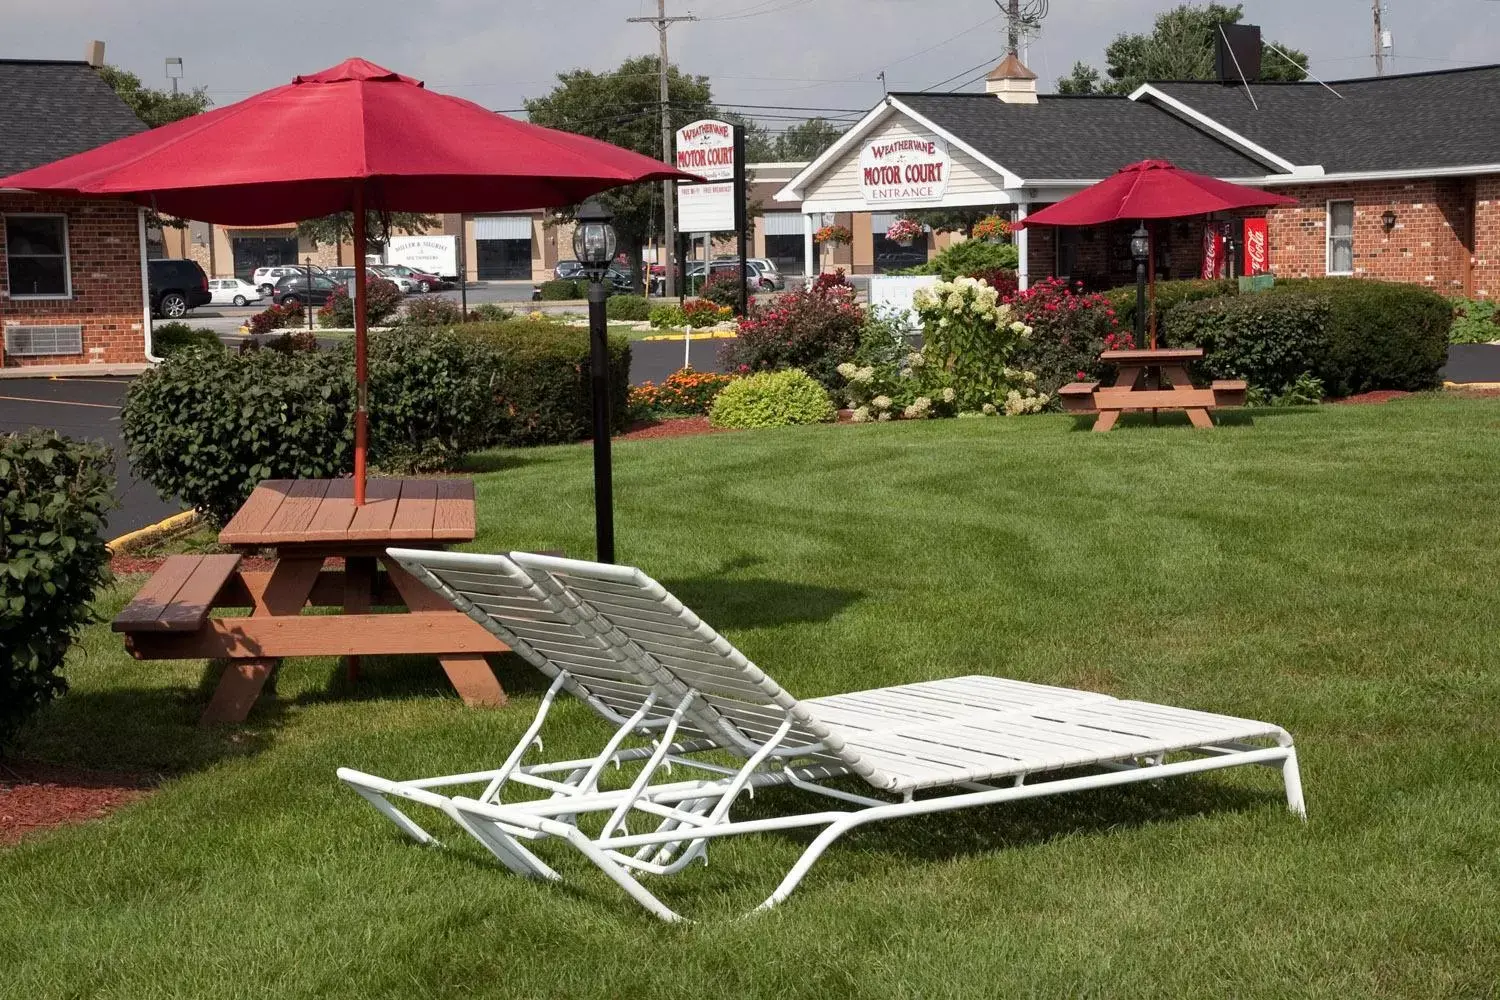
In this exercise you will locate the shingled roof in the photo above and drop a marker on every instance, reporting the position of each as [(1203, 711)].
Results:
[(1079, 138), (49, 110), (1419, 121)]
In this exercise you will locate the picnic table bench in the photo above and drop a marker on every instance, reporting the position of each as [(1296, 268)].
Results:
[(1151, 380), (309, 523)]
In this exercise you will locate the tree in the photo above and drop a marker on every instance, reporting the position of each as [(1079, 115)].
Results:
[(806, 140), (154, 107), (1181, 46), (338, 229), (623, 107), (1083, 80)]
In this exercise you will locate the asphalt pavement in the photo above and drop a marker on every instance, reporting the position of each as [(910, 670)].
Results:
[(89, 409), (1473, 363)]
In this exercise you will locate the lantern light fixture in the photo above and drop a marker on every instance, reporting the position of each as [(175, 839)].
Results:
[(1140, 245), (594, 239), (1389, 219)]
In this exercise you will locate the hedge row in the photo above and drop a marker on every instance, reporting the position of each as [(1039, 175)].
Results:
[(208, 426), (1353, 334)]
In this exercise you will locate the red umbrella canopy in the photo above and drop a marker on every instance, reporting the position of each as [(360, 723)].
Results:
[(1152, 189), (300, 151)]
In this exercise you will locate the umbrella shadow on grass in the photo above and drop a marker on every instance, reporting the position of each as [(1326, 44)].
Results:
[(736, 603)]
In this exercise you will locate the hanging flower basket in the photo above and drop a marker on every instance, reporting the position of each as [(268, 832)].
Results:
[(992, 228), (833, 235), (904, 232)]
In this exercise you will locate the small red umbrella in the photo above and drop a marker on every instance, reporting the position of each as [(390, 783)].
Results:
[(352, 138), (1151, 189)]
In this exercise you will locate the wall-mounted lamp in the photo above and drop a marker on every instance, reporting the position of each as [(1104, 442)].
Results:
[(1389, 219)]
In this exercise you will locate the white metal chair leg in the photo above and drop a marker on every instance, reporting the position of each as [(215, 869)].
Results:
[(406, 824), (1292, 776)]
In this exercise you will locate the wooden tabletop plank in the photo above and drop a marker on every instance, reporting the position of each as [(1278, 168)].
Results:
[(415, 511), (193, 600), (297, 510), (152, 599), (330, 522), (246, 525), (454, 519), (1156, 357), (373, 520)]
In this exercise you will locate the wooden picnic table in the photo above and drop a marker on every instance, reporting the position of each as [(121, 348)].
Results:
[(1155, 379), (308, 522)]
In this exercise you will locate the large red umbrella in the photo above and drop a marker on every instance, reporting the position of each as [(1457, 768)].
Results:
[(352, 138), (1151, 189)]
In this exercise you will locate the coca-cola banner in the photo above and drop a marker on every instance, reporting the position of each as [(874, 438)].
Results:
[(1213, 251), (1257, 252)]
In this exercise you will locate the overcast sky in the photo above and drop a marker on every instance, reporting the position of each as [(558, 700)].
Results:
[(806, 53)]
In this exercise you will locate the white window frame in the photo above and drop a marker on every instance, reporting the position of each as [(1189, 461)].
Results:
[(67, 258), (1328, 237)]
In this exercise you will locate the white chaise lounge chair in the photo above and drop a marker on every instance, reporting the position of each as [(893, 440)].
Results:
[(954, 738)]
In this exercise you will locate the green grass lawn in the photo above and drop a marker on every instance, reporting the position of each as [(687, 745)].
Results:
[(1330, 570)]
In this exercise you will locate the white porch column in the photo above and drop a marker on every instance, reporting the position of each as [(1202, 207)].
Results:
[(1023, 248), (809, 250)]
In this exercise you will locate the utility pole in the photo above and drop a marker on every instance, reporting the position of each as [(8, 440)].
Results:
[(668, 188), (1013, 24), (1379, 39)]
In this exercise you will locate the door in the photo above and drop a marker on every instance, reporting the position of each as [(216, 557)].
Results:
[(253, 252)]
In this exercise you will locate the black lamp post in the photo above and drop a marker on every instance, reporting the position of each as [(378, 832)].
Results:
[(1231, 255), (1140, 249), (594, 246)]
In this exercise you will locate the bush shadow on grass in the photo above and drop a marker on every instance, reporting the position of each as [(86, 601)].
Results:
[(504, 459)]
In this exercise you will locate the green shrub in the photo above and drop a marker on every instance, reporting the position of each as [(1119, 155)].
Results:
[(663, 317), (701, 313), (1269, 341), (54, 493), (489, 312), (431, 398), (772, 399), (432, 310), (808, 329), (564, 290), (1473, 322), (207, 426), (542, 382), (169, 338), (1382, 334), (382, 299), (628, 308), (723, 289), (1169, 295), (970, 258)]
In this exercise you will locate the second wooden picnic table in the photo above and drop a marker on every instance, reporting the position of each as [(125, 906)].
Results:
[(308, 523)]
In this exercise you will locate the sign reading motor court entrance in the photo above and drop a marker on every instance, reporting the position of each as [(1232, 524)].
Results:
[(906, 167), (706, 148)]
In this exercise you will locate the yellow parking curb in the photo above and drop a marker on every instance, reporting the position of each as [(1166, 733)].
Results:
[(166, 526), (721, 335)]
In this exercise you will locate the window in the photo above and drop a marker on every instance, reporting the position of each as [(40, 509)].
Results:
[(1340, 237), (36, 253)]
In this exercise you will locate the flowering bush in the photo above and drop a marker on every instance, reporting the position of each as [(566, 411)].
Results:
[(909, 389), (432, 310), (699, 313), (833, 235), (723, 288), (812, 329), (1068, 331), (664, 317), (904, 230), (382, 299), (275, 318), (685, 391), (973, 337), (991, 227), (827, 281)]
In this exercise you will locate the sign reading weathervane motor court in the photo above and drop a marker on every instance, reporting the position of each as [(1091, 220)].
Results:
[(905, 167), (706, 148)]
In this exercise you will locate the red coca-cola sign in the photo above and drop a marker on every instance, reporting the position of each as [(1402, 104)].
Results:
[(1257, 247), (1213, 251)]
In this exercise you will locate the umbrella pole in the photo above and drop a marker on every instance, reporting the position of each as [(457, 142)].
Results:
[(361, 371), (1151, 285)]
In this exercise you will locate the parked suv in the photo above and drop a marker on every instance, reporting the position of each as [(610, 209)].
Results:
[(176, 286), (292, 289)]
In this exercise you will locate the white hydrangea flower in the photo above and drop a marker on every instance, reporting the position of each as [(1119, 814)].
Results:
[(911, 413), (949, 395), (916, 359), (884, 416), (1030, 378), (955, 302), (847, 369), (988, 409), (1019, 328), (865, 375), (862, 415), (881, 403)]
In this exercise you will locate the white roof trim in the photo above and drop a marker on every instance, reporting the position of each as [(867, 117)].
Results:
[(1416, 173), (1148, 91), (795, 188)]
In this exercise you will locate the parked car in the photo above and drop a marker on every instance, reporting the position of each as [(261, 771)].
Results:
[(900, 258), (401, 281), (761, 280), (765, 265), (265, 278), (233, 292), (176, 286), (425, 281), (292, 289), (566, 269)]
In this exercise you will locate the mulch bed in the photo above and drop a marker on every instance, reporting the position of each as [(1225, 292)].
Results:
[(677, 427), (125, 564), (41, 796), (1381, 396)]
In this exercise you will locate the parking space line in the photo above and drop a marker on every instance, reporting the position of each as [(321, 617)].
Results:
[(57, 402)]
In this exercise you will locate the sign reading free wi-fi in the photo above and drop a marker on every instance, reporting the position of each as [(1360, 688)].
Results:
[(706, 148)]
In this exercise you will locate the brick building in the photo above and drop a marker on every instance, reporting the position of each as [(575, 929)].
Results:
[(72, 273), (1396, 178)]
